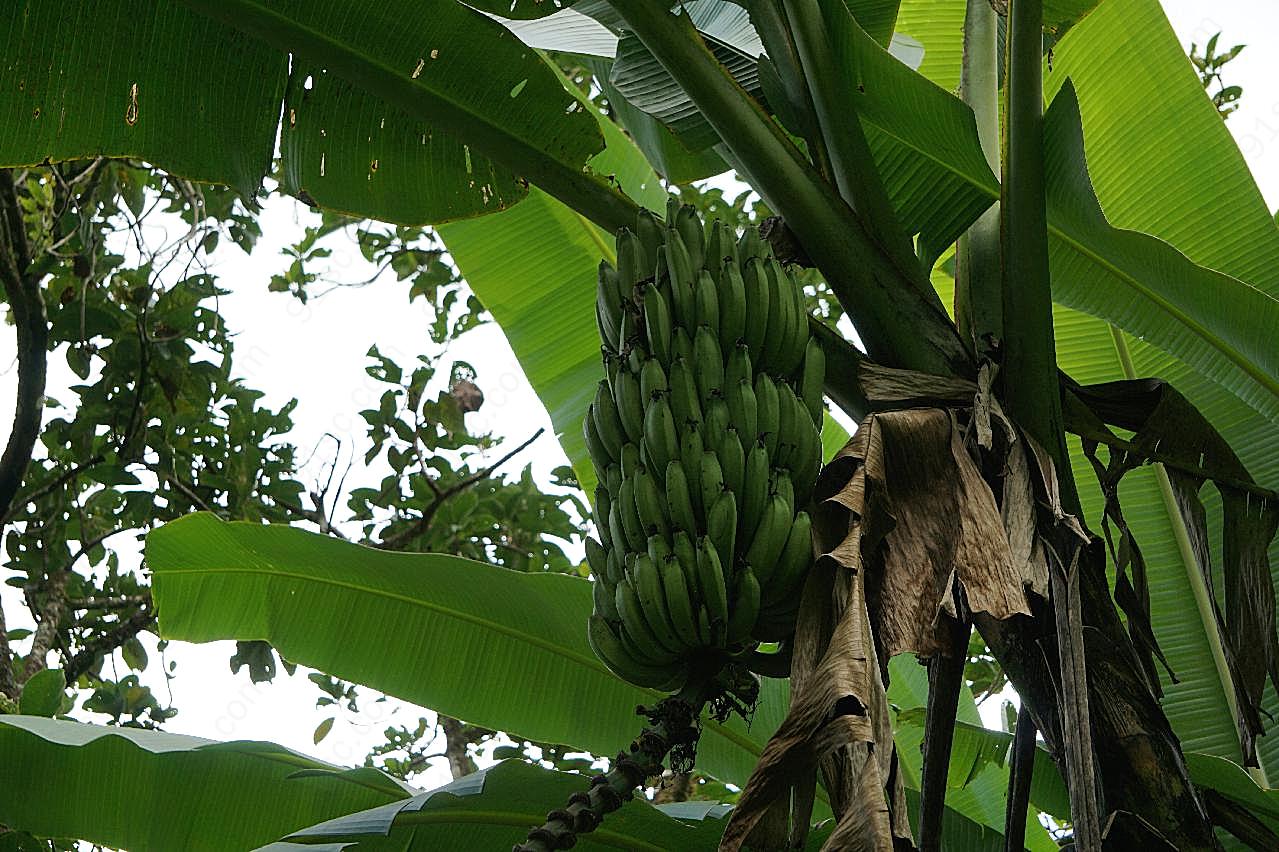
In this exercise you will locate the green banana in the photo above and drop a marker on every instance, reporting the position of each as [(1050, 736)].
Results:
[(605, 598), (806, 440), (708, 363), (614, 567), (704, 631), (712, 481), (658, 324), (647, 579), (784, 487), (649, 230), (758, 297), (717, 249), (660, 438), (769, 538), (690, 230), (686, 553), (621, 662), (704, 443), (600, 456), (679, 501), (775, 625), (680, 268), (607, 422), (755, 487), (745, 607), (787, 424), (632, 267), (603, 502), (732, 460), (629, 401), (739, 365), (658, 548), (732, 306), (616, 529), (707, 302), (715, 415), (743, 411), (681, 345), (790, 349), (690, 454), (779, 317), (637, 627), (793, 564), (749, 244), (810, 465), (686, 406), (710, 580), (650, 505), (768, 412), (630, 521), (652, 383), (607, 321), (812, 379), (679, 604), (721, 527), (596, 557), (630, 460)]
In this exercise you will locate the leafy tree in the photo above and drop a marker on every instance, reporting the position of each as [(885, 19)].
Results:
[(1108, 355)]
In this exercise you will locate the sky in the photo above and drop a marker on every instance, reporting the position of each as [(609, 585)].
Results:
[(316, 352)]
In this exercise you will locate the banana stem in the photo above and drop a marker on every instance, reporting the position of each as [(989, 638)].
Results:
[(673, 722)]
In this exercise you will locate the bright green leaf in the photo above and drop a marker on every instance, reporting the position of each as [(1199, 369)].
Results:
[(465, 638), (182, 792), (42, 694)]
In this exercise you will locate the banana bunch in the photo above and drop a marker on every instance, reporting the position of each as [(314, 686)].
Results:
[(705, 438)]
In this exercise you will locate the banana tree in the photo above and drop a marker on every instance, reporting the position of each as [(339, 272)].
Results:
[(1110, 352)]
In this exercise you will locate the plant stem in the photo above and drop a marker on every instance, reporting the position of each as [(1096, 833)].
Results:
[(945, 680), (770, 23), (900, 319), (978, 298), (21, 283), (835, 109), (1031, 387), (674, 722), (1020, 774)]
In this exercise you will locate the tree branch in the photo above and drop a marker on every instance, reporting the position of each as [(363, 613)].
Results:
[(8, 686), (47, 630), (58, 481), (105, 643), (428, 514), (22, 290)]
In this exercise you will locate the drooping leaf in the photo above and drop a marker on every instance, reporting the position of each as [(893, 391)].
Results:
[(494, 807), (1223, 327), (646, 85), (347, 148), (181, 792), (1178, 175), (149, 80), (462, 637), (408, 135), (1166, 426)]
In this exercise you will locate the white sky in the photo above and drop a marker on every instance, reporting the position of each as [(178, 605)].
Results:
[(317, 353)]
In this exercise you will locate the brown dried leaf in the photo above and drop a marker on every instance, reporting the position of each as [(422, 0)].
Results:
[(1017, 508), (1168, 428), (838, 719)]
